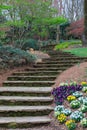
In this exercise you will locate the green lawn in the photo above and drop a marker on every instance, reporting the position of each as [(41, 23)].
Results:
[(68, 43), (82, 52)]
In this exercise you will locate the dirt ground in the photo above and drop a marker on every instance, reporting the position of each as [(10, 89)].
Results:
[(76, 73)]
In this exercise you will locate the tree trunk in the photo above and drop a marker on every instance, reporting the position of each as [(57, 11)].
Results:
[(85, 22), (57, 34)]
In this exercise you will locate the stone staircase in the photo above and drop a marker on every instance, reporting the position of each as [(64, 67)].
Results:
[(25, 99)]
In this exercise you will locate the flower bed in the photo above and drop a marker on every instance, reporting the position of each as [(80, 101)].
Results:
[(61, 118), (75, 104), (74, 113), (71, 98), (61, 92), (70, 124)]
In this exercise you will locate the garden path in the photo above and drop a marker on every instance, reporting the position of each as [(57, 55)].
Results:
[(25, 99)]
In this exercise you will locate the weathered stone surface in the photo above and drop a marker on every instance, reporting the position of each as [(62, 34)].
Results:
[(19, 120), (21, 98), (55, 65), (32, 78), (26, 89), (29, 83), (25, 108)]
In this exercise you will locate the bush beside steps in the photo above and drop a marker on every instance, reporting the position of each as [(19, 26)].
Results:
[(10, 57)]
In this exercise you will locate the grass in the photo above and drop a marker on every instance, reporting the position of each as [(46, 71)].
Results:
[(81, 52), (66, 44)]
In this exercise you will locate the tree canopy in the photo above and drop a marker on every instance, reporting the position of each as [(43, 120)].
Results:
[(31, 17)]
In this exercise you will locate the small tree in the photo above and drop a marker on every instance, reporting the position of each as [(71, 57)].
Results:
[(27, 18)]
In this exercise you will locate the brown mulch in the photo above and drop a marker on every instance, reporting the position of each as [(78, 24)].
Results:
[(76, 73)]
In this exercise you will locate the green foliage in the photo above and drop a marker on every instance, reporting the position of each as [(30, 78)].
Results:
[(50, 21), (67, 44), (13, 56), (55, 21), (49, 42), (5, 7), (2, 34), (30, 43), (82, 52), (17, 23), (2, 19), (34, 18), (0, 43), (45, 43)]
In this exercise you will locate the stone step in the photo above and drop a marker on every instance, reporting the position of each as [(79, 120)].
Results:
[(56, 51), (25, 91), (61, 54), (65, 58), (47, 47), (55, 65), (25, 122), (57, 56), (23, 100), (30, 78), (6, 111), (46, 68), (37, 73), (29, 83), (59, 62)]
